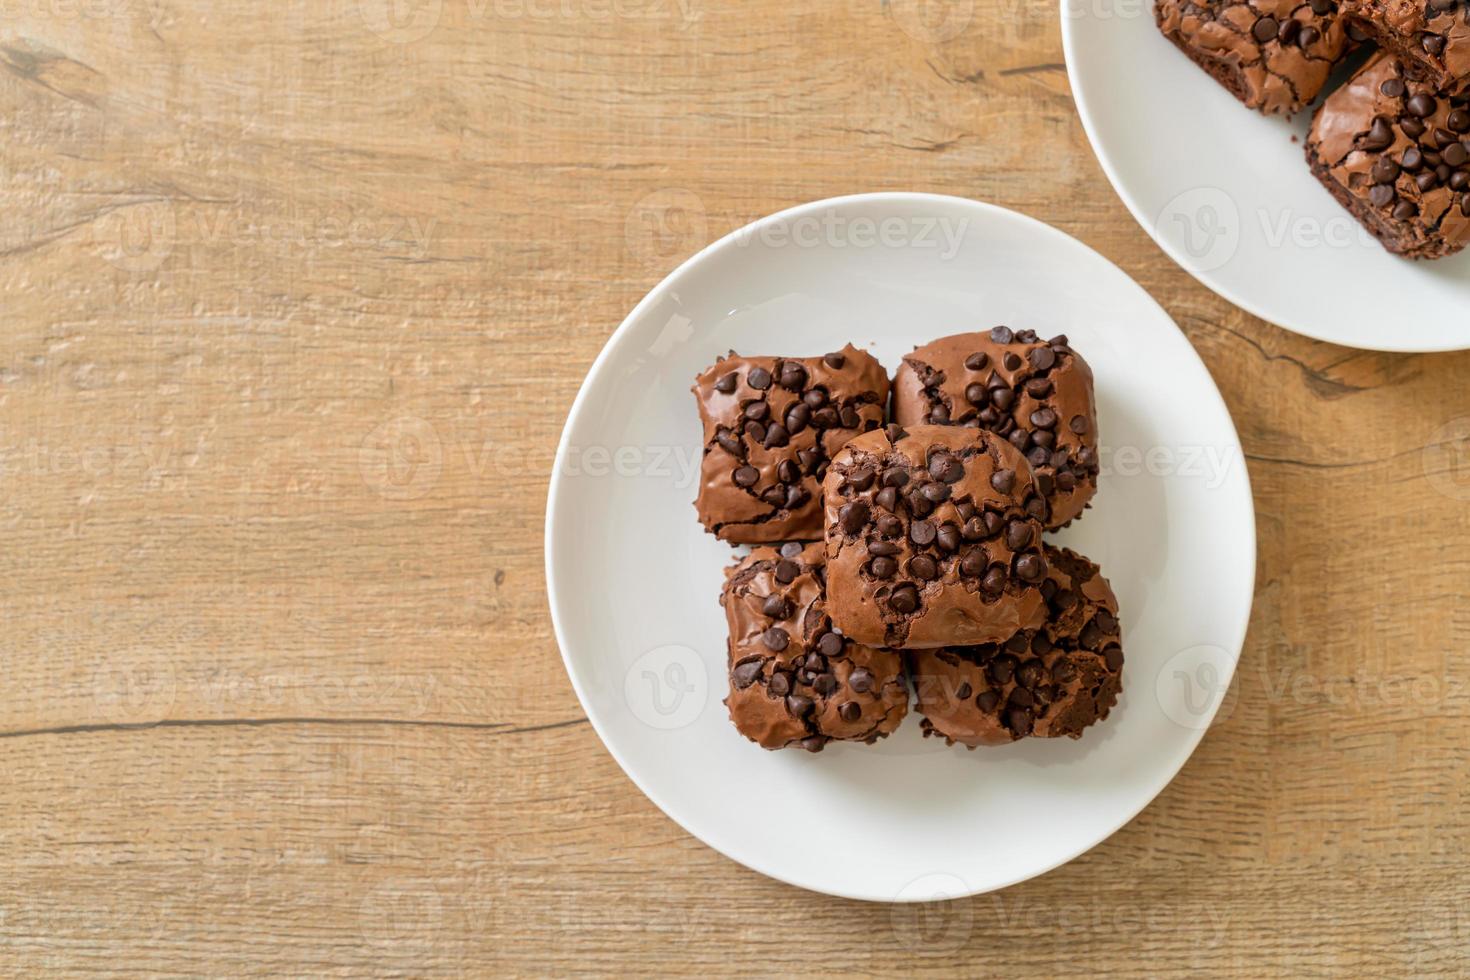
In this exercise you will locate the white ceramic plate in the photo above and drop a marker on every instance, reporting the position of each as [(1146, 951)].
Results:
[(634, 581), (1228, 194)]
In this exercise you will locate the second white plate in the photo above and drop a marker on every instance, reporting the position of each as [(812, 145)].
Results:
[(1227, 193), (634, 581)]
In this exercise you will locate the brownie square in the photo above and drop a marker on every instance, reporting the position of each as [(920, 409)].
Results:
[(1433, 35), (933, 538), (1273, 55), (1036, 393), (1395, 151), (794, 681), (1052, 680), (771, 426)]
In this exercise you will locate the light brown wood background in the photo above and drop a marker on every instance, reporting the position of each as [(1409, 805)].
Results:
[(296, 296)]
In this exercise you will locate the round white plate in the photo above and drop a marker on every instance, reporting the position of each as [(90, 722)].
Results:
[(1228, 194), (634, 581)]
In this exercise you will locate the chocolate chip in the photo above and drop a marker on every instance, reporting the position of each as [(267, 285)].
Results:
[(746, 476), (729, 443), (1113, 657), (946, 468), (1265, 29), (727, 384), (1029, 568), (973, 563), (1394, 88), (890, 527), (1079, 424), (977, 361), (1004, 481), (861, 478), (921, 533), (993, 522), (1002, 335), (934, 493), (849, 711), (861, 680), (757, 411), (776, 435), (1356, 32), (1002, 668), (746, 672), (1382, 195), (1022, 697), (883, 548), (905, 599), (798, 704), (1412, 159), (1405, 211), (830, 645), (994, 581), (1385, 171), (759, 378), (1038, 387), (1044, 418), (825, 684), (776, 607), (1413, 128), (779, 684), (775, 496), (853, 516), (1012, 361), (883, 567), (814, 399), (810, 460), (1422, 105), (1455, 155), (786, 571), (793, 376), (1003, 398), (1380, 135), (923, 567), (1459, 121), (948, 536), (1018, 535), (1308, 37), (1322, 7), (1433, 45), (834, 361), (1427, 181), (1288, 31)]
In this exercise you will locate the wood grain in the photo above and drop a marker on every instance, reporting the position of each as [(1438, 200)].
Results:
[(279, 699)]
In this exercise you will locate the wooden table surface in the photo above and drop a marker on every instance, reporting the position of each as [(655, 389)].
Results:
[(296, 297)]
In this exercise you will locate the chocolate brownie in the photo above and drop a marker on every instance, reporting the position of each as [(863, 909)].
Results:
[(1053, 679), (771, 425), (794, 680), (1395, 151), (1432, 34), (933, 538), (1273, 55), (1036, 393)]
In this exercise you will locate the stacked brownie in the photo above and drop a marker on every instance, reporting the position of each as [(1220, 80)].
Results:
[(913, 550), (1392, 145)]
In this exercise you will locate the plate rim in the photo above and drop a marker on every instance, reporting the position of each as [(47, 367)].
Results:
[(600, 364), (1082, 101)]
